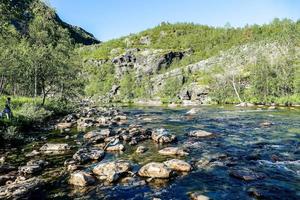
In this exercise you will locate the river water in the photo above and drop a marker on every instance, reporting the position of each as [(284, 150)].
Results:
[(241, 143)]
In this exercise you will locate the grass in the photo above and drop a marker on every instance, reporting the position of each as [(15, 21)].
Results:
[(28, 111)]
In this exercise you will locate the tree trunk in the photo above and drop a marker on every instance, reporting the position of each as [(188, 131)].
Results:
[(235, 90), (35, 81)]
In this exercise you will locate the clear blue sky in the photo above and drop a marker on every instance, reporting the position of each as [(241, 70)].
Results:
[(108, 19)]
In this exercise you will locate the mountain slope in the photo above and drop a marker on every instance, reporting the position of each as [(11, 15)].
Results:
[(19, 13), (163, 63)]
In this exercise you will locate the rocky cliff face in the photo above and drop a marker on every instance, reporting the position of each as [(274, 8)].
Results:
[(157, 65)]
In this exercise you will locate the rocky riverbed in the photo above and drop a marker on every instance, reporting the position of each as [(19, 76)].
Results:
[(208, 152)]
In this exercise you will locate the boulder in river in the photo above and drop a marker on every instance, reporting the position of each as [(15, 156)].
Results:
[(51, 147), (116, 147), (198, 196), (200, 134), (193, 111), (162, 136), (155, 170), (173, 151), (98, 135), (111, 171), (178, 165), (85, 155), (81, 178), (22, 189), (245, 104), (30, 169), (266, 124)]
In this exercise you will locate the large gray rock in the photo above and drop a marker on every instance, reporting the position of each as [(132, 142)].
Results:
[(155, 170), (32, 167), (81, 178), (178, 165), (21, 189), (98, 135), (163, 136), (111, 171), (173, 151), (86, 155)]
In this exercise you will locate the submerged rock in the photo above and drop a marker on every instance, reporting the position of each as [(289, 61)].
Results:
[(81, 179), (132, 182), (200, 134), (173, 151), (163, 136), (155, 170), (111, 171), (85, 155), (266, 124), (246, 175), (51, 147), (178, 165)]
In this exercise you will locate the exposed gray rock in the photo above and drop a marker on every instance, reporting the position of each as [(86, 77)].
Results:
[(81, 178), (116, 147), (98, 135), (141, 149), (198, 196), (163, 136), (146, 40), (51, 147), (85, 155), (155, 170), (173, 151), (111, 171), (178, 165), (21, 189), (200, 134)]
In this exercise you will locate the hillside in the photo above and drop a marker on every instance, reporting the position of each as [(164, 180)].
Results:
[(163, 63), (20, 13)]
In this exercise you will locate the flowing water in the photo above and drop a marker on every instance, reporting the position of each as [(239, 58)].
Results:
[(240, 143)]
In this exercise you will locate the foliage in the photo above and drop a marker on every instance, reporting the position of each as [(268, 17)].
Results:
[(170, 89), (38, 59)]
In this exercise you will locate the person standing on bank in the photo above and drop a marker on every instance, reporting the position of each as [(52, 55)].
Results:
[(7, 110)]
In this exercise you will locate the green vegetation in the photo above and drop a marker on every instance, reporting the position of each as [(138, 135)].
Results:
[(203, 42), (39, 66)]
